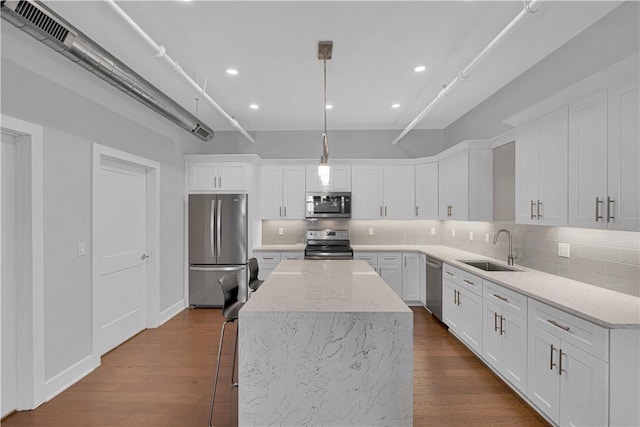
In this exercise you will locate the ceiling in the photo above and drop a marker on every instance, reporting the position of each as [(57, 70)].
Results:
[(273, 45)]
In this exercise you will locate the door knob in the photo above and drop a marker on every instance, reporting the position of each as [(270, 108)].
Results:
[(144, 256)]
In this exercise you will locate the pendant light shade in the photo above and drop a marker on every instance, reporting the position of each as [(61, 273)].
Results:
[(325, 50)]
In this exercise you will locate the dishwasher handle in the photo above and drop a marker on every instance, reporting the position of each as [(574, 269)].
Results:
[(434, 265)]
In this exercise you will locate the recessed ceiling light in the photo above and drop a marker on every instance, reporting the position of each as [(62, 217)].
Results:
[(232, 71), (254, 106), (419, 68), (329, 107), (395, 105)]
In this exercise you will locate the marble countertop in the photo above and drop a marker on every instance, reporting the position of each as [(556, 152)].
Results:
[(324, 286), (604, 307)]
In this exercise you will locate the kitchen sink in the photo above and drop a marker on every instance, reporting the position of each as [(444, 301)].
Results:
[(489, 266)]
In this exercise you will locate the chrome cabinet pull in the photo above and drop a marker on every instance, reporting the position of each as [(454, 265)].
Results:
[(458, 298), (280, 210), (449, 273), (405, 261), (533, 216), (551, 364), (385, 211), (380, 210), (598, 203), (495, 322), (501, 326), (269, 258), (539, 205), (469, 282), (609, 216), (285, 211), (560, 370), (500, 297), (219, 182), (416, 211), (554, 323)]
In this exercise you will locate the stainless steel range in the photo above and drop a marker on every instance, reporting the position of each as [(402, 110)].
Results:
[(328, 244)]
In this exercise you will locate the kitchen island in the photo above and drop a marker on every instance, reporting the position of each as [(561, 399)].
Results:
[(325, 343)]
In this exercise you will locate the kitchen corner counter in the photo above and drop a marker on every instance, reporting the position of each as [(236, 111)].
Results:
[(610, 309)]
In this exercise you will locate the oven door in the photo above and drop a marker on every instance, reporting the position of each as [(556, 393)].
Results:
[(331, 252)]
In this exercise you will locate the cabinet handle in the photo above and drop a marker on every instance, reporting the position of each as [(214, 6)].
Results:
[(495, 322), (380, 210), (533, 216), (264, 257), (501, 326), (609, 217), (405, 261), (500, 297), (598, 203), (551, 364), (285, 211), (416, 211), (458, 297), (539, 205), (449, 273), (219, 182), (385, 211), (554, 323), (469, 282), (560, 370), (455, 297)]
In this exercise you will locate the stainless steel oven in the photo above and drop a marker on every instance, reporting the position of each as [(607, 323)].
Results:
[(328, 244), (328, 205)]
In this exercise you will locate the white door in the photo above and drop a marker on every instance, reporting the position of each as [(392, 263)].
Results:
[(514, 350), (121, 246), (9, 274), (543, 381), (398, 190), (410, 277)]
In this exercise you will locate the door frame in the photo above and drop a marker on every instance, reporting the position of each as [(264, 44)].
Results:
[(152, 287), (30, 304)]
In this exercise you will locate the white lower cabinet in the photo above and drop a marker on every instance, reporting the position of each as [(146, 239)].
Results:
[(390, 269), (410, 276), (504, 345), (568, 369), (462, 305), (422, 280), (269, 260)]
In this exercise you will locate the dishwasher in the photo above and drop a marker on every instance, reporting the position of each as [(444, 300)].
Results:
[(434, 287)]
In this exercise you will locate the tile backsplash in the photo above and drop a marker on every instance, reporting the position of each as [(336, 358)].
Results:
[(609, 259)]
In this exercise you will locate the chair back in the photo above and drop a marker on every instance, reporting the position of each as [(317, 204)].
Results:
[(253, 269), (229, 284)]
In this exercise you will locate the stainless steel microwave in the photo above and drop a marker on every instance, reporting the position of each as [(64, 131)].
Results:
[(328, 205)]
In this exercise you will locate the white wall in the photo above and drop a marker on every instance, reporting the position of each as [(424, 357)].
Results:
[(72, 122)]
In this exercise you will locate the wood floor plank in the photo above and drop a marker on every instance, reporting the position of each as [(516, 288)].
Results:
[(163, 377)]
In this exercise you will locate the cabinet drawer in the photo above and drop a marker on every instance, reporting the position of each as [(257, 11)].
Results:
[(394, 258), (268, 258), (370, 257), (505, 298), (291, 255), (581, 333), (462, 278)]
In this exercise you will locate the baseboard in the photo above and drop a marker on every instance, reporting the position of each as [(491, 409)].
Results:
[(172, 311), (70, 376)]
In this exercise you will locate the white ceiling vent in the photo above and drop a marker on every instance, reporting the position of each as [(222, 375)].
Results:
[(44, 25)]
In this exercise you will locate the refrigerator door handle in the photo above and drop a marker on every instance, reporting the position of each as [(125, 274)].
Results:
[(212, 229), (218, 227), (216, 268)]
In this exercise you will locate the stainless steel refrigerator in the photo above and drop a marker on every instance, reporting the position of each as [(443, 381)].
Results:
[(217, 246)]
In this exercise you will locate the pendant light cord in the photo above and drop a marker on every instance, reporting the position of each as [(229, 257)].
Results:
[(325, 144)]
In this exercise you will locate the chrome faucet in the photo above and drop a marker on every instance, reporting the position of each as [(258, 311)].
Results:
[(510, 257)]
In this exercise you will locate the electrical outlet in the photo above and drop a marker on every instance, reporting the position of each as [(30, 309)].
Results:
[(471, 235), (433, 231), (453, 232), (564, 250), (370, 231), (81, 249), (486, 239), (280, 231)]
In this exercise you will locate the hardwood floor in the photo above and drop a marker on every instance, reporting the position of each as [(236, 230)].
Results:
[(163, 377)]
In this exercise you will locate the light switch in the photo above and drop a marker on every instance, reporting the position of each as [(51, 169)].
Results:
[(564, 250), (81, 250), (280, 231), (370, 231), (471, 235)]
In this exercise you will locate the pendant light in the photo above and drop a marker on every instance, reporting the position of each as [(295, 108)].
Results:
[(325, 49)]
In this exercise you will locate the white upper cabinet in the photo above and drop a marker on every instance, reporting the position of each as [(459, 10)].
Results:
[(465, 186), (218, 176), (282, 191), (340, 179), (541, 170), (604, 160), (624, 157), (382, 192), (426, 188)]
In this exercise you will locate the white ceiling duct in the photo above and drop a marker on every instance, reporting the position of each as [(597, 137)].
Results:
[(44, 25)]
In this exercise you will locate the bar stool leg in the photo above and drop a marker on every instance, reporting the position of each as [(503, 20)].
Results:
[(215, 381), (233, 367)]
